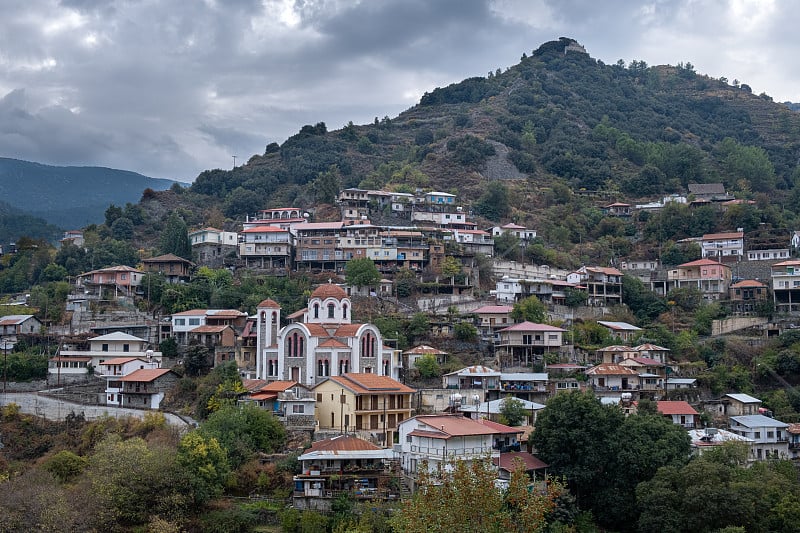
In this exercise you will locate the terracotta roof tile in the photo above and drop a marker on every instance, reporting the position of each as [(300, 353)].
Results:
[(146, 374)]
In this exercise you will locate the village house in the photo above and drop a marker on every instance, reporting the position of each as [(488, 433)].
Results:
[(174, 269), (13, 325), (786, 286), (492, 410), (411, 356), (710, 277), (473, 379), (617, 209), (527, 342), (281, 217), (102, 349), (739, 404), (293, 404), (549, 291), (210, 246), (566, 377), (708, 192), (185, 322), (603, 285), (770, 437), (723, 247), (73, 237), (747, 295), (266, 247), (679, 412), (438, 440), (474, 241), (605, 378), (711, 438), (110, 283), (509, 462), (368, 405), (528, 386), (492, 318), (523, 234), (621, 330), (146, 388), (344, 465), (114, 369)]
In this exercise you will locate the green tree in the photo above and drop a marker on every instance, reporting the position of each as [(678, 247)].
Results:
[(175, 237), (327, 185), (361, 272), (494, 203), (132, 481), (531, 309), (574, 433), (122, 229), (451, 267), (427, 366), (512, 411), (467, 500), (464, 331), (418, 326), (205, 465), (244, 430), (66, 466)]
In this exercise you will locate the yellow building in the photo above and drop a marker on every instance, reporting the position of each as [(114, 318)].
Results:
[(368, 405)]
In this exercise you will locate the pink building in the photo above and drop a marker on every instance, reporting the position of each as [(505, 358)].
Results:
[(710, 277)]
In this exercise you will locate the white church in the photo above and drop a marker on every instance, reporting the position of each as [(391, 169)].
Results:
[(324, 343)]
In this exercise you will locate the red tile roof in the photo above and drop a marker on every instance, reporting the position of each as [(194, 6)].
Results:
[(424, 349), (494, 309), (342, 443), (675, 408), (748, 283), (702, 262), (364, 383), (264, 229), (510, 461), (449, 426), (530, 326), (332, 343), (121, 360), (146, 374), (278, 386), (209, 329), (329, 290), (729, 235), (270, 304)]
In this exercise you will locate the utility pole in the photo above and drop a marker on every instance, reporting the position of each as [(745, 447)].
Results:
[(234, 161)]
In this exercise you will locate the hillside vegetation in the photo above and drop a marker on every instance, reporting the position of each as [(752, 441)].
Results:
[(68, 197), (562, 132)]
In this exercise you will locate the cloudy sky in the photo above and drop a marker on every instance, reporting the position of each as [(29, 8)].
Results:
[(169, 88)]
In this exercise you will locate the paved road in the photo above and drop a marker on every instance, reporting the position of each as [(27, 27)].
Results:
[(53, 409)]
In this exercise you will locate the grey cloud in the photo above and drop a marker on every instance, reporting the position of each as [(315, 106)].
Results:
[(171, 88)]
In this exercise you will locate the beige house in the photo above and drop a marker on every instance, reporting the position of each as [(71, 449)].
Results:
[(369, 405), (523, 343)]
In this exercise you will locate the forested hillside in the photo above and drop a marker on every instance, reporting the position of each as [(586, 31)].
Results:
[(561, 131), (69, 197)]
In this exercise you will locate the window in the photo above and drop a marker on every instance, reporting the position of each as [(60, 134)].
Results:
[(126, 347), (757, 435), (298, 409), (180, 321), (105, 347), (770, 434), (194, 321), (331, 310)]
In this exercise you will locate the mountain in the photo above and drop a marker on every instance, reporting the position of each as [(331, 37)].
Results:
[(15, 223), (558, 117), (70, 197)]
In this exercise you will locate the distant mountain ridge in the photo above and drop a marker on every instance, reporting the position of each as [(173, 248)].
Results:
[(70, 197)]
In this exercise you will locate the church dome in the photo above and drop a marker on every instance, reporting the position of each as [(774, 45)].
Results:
[(329, 290)]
